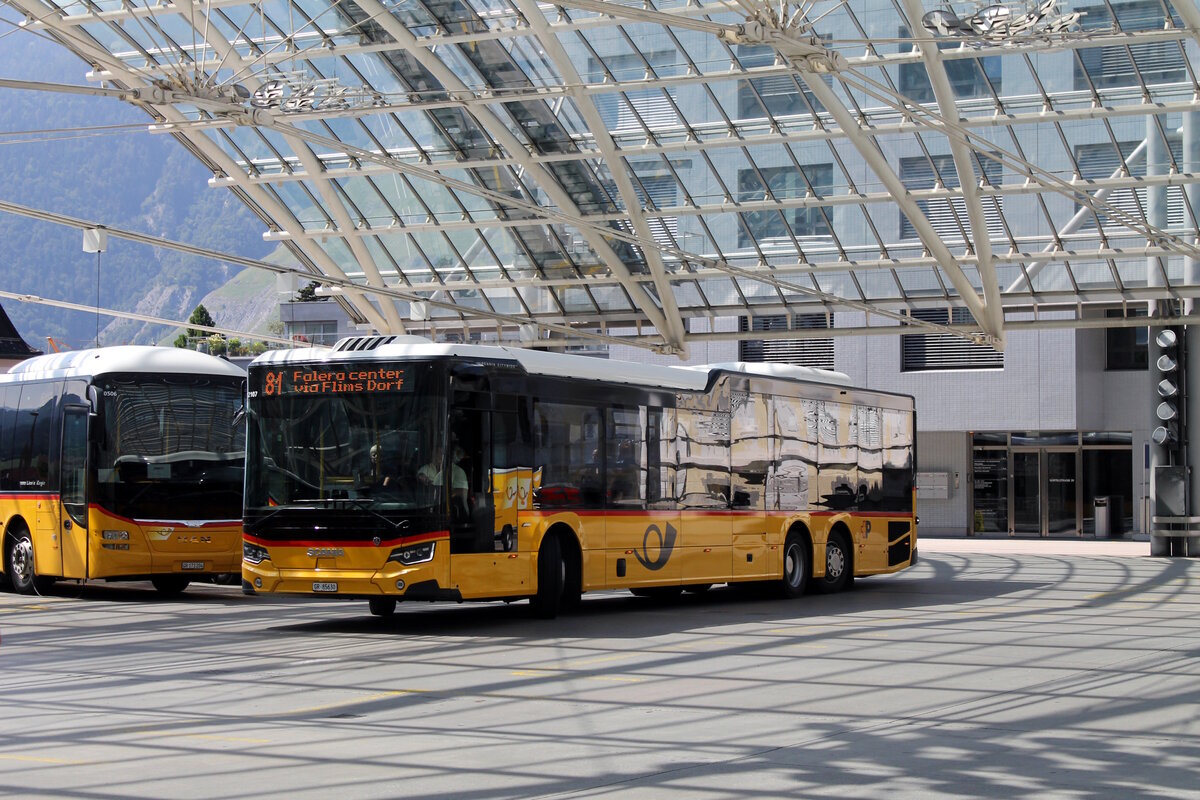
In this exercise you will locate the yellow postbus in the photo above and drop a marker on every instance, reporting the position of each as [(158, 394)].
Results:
[(392, 468), (121, 463)]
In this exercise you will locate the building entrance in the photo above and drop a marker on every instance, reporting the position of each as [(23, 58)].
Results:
[(1045, 495), (1045, 484)]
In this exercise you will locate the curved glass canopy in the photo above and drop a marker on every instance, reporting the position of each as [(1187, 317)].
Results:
[(566, 171)]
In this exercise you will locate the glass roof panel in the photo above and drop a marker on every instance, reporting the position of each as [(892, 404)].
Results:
[(762, 137)]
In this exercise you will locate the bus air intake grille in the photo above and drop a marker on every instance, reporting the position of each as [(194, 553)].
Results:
[(899, 543)]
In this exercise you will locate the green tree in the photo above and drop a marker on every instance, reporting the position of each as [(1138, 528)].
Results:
[(199, 317), (308, 294)]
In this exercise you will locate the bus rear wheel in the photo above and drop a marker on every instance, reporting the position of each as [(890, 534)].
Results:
[(797, 566), (170, 584), (838, 565), (383, 606), (19, 566), (552, 576)]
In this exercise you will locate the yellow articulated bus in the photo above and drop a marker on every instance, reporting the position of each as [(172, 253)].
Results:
[(121, 463), (392, 468)]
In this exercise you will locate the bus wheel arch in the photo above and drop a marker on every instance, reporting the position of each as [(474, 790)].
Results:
[(19, 560), (839, 560), (797, 561)]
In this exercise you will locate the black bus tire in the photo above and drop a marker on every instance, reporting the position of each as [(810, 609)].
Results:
[(838, 564), (383, 606), (170, 584), (797, 566), (551, 575), (19, 565)]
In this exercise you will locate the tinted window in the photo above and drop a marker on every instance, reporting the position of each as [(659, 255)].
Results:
[(569, 450), (32, 435), (10, 395)]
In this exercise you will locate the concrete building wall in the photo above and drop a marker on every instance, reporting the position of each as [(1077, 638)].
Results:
[(1034, 391), (946, 452)]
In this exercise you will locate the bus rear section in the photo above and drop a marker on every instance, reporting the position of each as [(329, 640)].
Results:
[(122, 463)]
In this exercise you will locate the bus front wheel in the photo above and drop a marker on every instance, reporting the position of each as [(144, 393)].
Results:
[(551, 575), (797, 566), (383, 606), (169, 584), (19, 566), (838, 565)]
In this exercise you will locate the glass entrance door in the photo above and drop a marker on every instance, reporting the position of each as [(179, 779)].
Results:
[(1045, 492), (1027, 493), (1061, 490)]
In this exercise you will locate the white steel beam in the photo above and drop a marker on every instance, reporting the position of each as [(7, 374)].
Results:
[(875, 159), (85, 48), (673, 327), (968, 181), (333, 203), (708, 138), (500, 132)]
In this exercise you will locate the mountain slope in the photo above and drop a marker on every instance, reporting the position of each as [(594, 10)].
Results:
[(122, 177)]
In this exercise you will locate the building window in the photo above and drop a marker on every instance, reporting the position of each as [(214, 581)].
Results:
[(1102, 160), (783, 183), (656, 187), (804, 352), (1126, 348), (322, 333), (949, 216), (637, 109), (1128, 65), (969, 77), (929, 351)]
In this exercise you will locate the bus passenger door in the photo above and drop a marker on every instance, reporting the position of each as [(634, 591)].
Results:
[(73, 492), (483, 558)]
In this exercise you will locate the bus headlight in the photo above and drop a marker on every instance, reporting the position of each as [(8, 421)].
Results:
[(115, 536), (413, 554), (253, 554)]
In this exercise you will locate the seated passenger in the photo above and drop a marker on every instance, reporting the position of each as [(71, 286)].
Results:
[(431, 475)]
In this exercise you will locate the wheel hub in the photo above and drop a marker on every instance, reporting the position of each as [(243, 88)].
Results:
[(835, 561)]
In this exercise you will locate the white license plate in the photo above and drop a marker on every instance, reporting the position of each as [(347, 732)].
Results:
[(192, 565), (324, 587)]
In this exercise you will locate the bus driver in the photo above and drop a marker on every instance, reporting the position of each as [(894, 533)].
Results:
[(431, 475)]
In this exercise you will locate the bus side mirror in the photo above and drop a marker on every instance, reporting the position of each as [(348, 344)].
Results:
[(93, 428)]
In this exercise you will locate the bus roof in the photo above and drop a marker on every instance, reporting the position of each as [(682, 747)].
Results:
[(122, 358), (540, 362)]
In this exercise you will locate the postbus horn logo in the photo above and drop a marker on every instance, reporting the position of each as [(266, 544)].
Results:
[(666, 544)]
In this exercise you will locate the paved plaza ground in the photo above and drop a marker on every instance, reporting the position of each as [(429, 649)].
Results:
[(995, 668)]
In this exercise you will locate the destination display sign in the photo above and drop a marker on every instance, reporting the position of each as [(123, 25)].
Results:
[(319, 380)]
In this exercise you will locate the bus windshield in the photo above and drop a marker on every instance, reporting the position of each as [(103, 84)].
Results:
[(367, 437), (170, 447)]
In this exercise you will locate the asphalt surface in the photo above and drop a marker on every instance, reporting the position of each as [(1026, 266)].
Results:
[(994, 668)]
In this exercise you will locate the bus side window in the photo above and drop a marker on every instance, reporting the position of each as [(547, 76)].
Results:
[(9, 397)]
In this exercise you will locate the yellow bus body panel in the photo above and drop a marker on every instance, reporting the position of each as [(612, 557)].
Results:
[(129, 549)]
